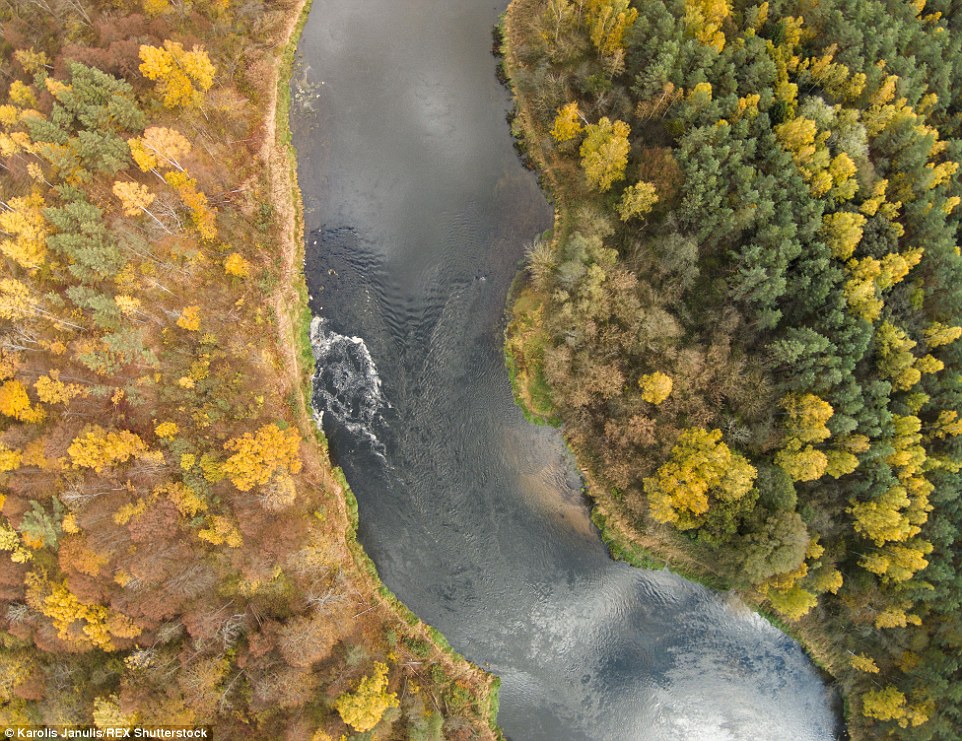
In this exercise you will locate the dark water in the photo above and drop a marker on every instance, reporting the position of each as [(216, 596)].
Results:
[(417, 211)]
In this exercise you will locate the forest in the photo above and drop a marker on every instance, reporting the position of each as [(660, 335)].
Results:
[(175, 548), (747, 316)]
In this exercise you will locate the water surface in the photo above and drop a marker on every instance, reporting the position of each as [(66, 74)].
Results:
[(417, 210)]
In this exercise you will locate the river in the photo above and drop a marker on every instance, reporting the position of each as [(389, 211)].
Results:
[(417, 210)]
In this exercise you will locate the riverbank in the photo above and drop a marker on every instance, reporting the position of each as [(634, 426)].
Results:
[(294, 334), (655, 547)]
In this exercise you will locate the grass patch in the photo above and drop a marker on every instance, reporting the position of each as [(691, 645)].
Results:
[(524, 354), (622, 549)]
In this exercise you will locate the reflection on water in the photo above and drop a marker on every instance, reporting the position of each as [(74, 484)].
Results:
[(417, 209)]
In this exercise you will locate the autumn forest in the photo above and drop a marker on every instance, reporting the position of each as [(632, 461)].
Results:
[(746, 320), (748, 315), (176, 548)]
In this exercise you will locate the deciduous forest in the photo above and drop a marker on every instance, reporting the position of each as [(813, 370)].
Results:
[(748, 314), (174, 546)]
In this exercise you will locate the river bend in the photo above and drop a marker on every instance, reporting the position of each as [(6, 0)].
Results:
[(417, 210)]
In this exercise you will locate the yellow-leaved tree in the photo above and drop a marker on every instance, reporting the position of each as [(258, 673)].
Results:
[(166, 430), (704, 19), (107, 714), (363, 708), (568, 123), (842, 232), (237, 265), (938, 334), (134, 197), (203, 216), (77, 621), (159, 147), (863, 663), (10, 542), (890, 703), (806, 415), (898, 563), (51, 390), (220, 531), (604, 153), (885, 518), (637, 200), (700, 468), (15, 403), (27, 231), (608, 21), (259, 457), (793, 602), (98, 448), (655, 387), (182, 76), (894, 357), (10, 458), (189, 318), (16, 302)]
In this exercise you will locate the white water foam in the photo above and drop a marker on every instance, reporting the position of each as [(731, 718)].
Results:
[(346, 383)]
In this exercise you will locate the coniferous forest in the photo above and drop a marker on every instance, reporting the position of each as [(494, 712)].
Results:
[(748, 314)]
